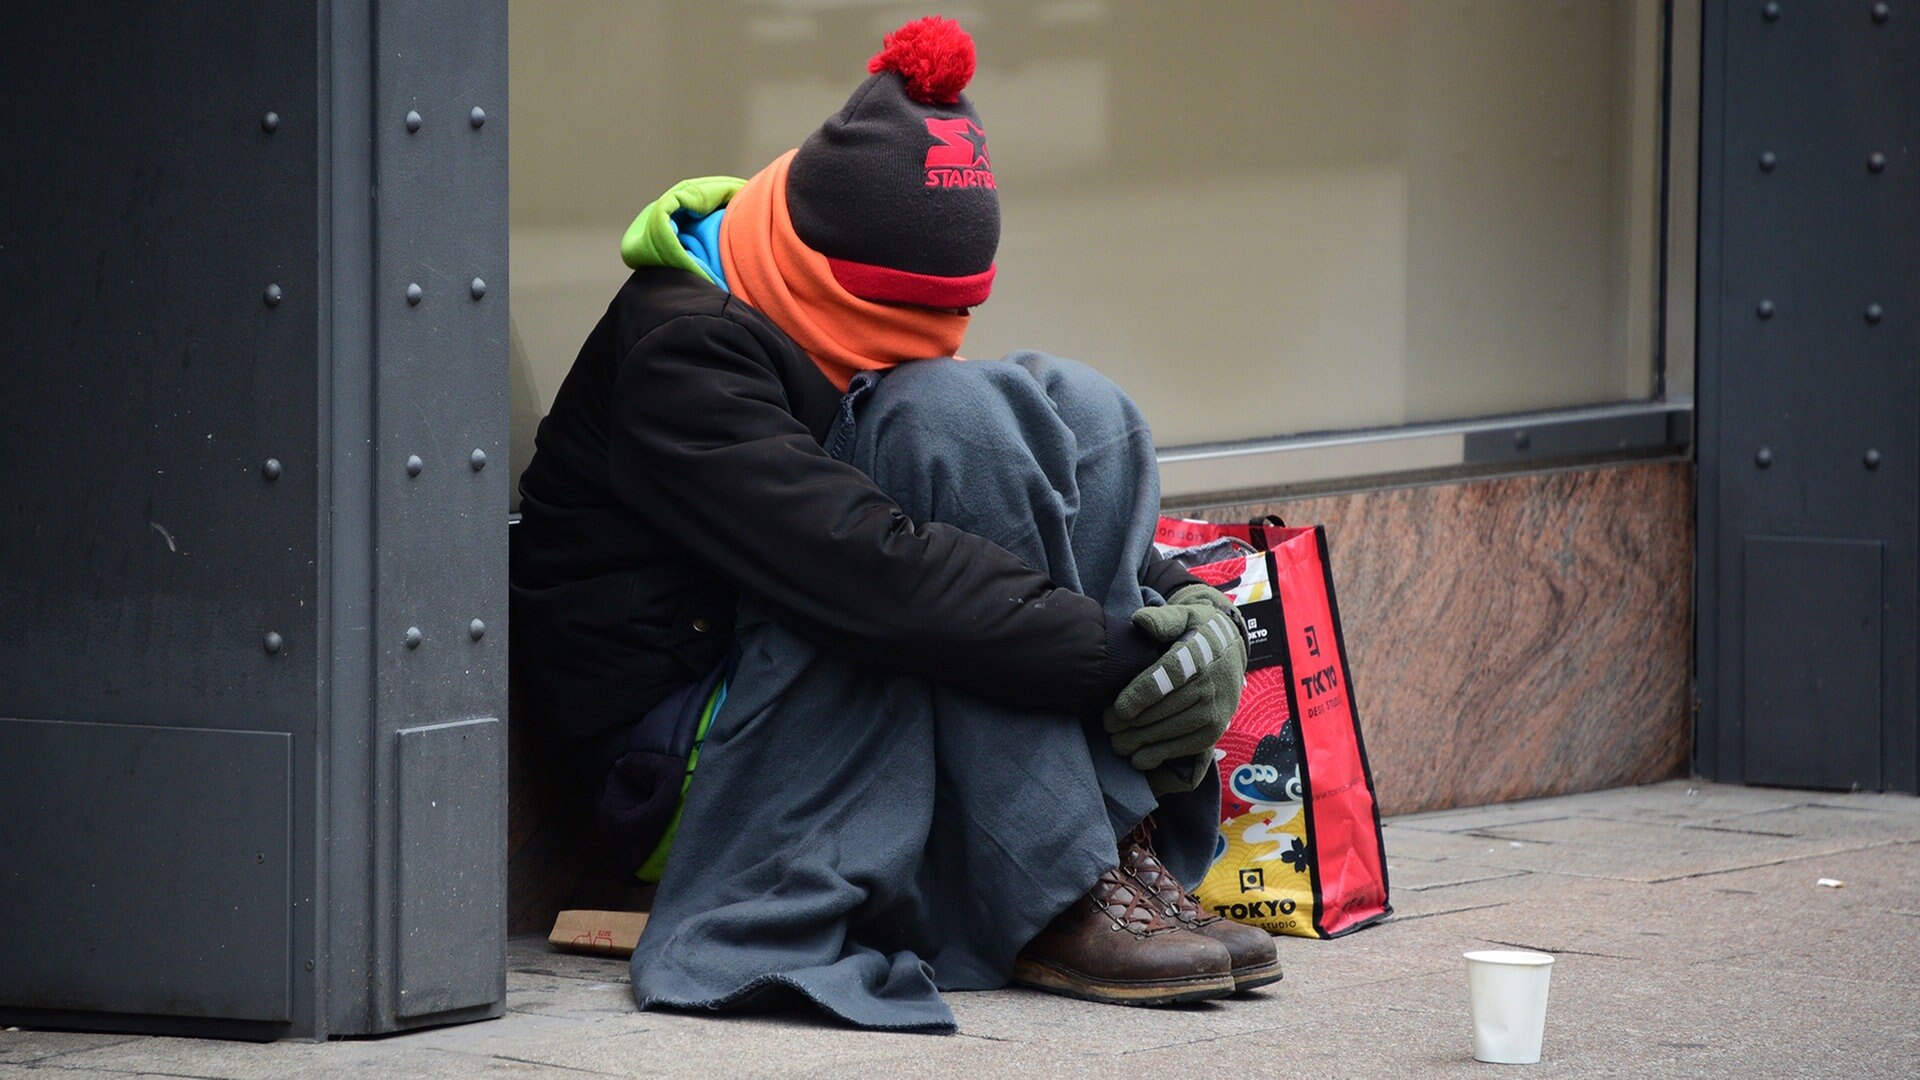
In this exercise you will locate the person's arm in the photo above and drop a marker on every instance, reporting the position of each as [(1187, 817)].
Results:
[(702, 443)]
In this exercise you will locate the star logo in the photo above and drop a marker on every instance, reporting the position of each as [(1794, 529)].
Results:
[(959, 143)]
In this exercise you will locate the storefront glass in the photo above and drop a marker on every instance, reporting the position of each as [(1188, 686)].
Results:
[(1260, 218)]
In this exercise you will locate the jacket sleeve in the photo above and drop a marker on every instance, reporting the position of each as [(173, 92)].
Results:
[(1165, 575), (702, 443)]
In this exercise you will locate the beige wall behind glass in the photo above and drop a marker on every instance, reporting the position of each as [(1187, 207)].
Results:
[(1259, 218)]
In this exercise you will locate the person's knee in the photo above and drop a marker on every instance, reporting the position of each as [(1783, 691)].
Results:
[(1080, 393), (971, 443), (959, 394), (938, 407), (940, 392)]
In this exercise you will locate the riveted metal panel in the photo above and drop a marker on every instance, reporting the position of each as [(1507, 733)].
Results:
[(158, 549), (440, 234), (439, 490), (157, 256), (1809, 332), (211, 391), (131, 884), (452, 859)]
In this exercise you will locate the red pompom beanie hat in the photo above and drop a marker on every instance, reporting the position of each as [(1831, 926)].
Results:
[(895, 189)]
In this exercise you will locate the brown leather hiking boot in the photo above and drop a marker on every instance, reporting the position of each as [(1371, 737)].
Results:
[(1117, 945), (1255, 960)]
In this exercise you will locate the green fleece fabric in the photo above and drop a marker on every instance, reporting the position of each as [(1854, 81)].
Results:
[(656, 863), (654, 240), (1168, 719)]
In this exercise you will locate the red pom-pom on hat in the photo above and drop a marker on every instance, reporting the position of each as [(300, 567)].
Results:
[(933, 54)]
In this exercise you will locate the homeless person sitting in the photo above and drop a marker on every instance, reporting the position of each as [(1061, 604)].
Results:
[(953, 717)]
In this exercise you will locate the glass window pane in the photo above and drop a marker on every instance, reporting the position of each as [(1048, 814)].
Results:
[(1260, 218)]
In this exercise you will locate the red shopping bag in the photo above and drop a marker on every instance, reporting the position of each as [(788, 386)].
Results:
[(1300, 849)]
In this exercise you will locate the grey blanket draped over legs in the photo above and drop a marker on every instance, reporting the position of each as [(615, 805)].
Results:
[(859, 837)]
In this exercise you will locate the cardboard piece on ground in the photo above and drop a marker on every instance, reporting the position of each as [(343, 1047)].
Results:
[(601, 933)]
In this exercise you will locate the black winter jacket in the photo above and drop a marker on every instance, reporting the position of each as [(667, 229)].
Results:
[(681, 465)]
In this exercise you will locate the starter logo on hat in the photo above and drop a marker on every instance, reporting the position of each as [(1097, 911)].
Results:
[(958, 157)]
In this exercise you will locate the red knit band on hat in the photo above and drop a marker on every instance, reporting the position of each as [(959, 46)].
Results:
[(885, 285)]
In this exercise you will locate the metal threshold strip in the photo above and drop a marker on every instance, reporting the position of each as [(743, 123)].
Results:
[(1360, 459)]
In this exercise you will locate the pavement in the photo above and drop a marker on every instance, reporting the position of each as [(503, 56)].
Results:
[(1691, 936)]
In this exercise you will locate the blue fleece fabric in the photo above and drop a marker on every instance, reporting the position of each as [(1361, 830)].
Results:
[(863, 837), (700, 235)]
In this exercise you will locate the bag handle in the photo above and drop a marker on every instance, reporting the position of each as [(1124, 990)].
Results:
[(1257, 528)]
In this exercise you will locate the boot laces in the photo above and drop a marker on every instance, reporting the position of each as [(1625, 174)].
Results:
[(1142, 863), (1129, 905)]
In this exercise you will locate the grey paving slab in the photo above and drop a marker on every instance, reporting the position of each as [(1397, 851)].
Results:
[(1068, 1026), (544, 981), (1810, 930), (1421, 845), (1505, 888), (1414, 875), (1655, 861), (1440, 906), (1770, 919), (1863, 821), (1378, 956), (533, 956), (1636, 1017), (1622, 920), (579, 1000), (293, 1061), (1479, 817), (585, 998), (1606, 1016), (18, 1047), (1685, 946), (1665, 837), (963, 1057), (1685, 800), (669, 1044)]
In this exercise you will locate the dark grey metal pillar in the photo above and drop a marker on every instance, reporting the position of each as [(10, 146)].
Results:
[(252, 573), (1809, 393)]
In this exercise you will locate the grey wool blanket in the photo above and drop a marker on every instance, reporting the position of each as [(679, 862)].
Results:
[(862, 839)]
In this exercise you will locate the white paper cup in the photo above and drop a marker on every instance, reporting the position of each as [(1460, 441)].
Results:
[(1507, 993)]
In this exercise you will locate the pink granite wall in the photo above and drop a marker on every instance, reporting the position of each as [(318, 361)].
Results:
[(1517, 637)]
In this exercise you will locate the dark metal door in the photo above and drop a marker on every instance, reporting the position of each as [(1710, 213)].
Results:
[(253, 372), (1809, 409)]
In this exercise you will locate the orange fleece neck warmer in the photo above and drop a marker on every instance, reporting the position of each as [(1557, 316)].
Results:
[(785, 280)]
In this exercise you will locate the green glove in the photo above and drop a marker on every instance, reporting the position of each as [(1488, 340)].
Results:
[(1190, 596), (1168, 718), (1180, 774)]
